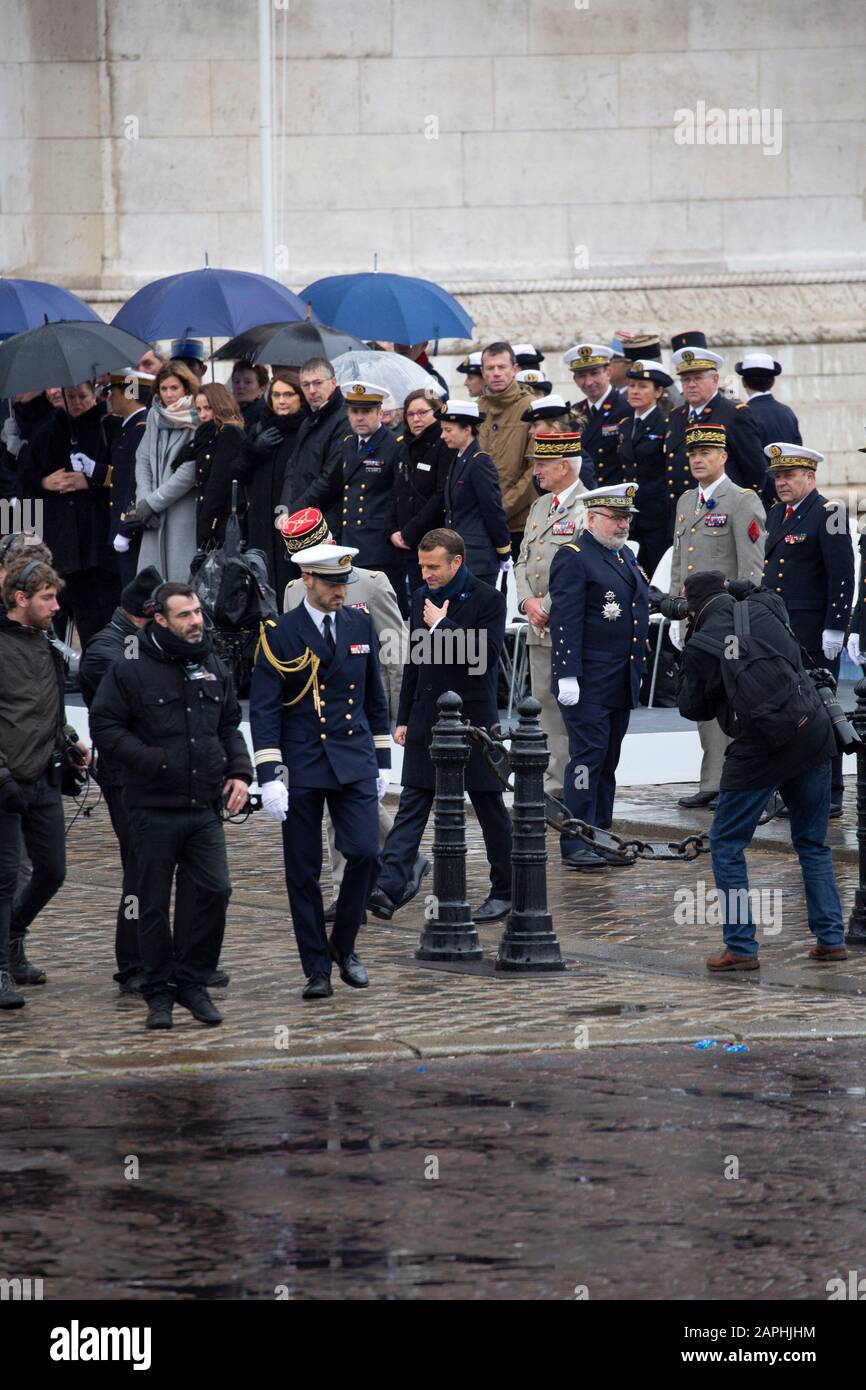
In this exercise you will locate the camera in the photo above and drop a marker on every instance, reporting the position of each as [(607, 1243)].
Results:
[(671, 606), (847, 738)]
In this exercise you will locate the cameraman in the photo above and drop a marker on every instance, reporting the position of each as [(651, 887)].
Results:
[(753, 768)]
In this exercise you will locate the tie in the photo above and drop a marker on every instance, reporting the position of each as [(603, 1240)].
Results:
[(702, 499), (789, 511), (329, 636), (360, 443), (555, 504)]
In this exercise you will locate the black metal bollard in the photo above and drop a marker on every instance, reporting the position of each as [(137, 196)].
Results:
[(856, 933), (449, 933), (529, 941)]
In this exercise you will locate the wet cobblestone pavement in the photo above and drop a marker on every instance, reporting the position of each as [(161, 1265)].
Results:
[(581, 1140), (636, 975)]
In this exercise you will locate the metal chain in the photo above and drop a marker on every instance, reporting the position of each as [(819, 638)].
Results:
[(616, 849)]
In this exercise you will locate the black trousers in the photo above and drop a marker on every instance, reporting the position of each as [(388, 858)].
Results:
[(90, 598), (42, 829), (126, 931), (354, 811), (401, 847), (189, 842), (595, 735)]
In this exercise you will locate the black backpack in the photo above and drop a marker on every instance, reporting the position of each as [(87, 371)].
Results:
[(769, 699)]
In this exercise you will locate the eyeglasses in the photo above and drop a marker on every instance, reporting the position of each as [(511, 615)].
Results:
[(315, 381), (418, 414)]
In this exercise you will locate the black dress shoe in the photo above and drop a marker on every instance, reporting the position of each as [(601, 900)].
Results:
[(351, 970), (20, 968), (585, 859), (420, 870), (613, 858), (492, 910), (699, 799), (331, 911), (159, 1007), (133, 983), (318, 986), (201, 1006), (217, 979), (836, 809), (381, 905)]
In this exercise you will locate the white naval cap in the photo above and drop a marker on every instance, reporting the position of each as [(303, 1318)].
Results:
[(757, 362), (696, 359), (587, 355), (784, 456), (328, 561)]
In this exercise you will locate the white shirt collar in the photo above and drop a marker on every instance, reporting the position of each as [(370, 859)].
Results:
[(319, 617), (565, 494), (646, 413), (753, 394), (711, 487), (596, 405)]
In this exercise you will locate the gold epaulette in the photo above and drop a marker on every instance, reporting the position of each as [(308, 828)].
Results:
[(294, 667)]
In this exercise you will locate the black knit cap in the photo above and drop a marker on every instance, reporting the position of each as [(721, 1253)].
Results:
[(701, 587), (135, 598)]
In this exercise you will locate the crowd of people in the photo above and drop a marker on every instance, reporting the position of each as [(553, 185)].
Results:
[(427, 503)]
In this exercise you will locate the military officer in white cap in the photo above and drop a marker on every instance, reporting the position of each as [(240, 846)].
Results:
[(758, 372), (698, 371), (601, 411), (470, 367)]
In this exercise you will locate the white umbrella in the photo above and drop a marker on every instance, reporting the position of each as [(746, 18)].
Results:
[(399, 375)]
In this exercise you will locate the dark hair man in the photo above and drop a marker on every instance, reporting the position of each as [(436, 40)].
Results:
[(171, 719), (315, 466), (33, 740), (754, 768), (457, 626)]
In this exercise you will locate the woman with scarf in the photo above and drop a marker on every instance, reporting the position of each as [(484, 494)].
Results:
[(270, 445), (165, 498), (417, 502), (216, 449)]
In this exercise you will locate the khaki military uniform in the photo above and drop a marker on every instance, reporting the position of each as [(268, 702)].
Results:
[(729, 536), (545, 531), (374, 594)]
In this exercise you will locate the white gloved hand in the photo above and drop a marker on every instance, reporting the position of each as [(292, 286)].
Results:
[(120, 544), (83, 463), (676, 632), (569, 691), (506, 565), (832, 642), (854, 649), (11, 438), (275, 800), (383, 780)]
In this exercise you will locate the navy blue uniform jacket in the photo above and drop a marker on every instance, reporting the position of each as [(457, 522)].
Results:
[(746, 465), (366, 486), (777, 423), (479, 612), (473, 508), (599, 442), (642, 461), (324, 718), (809, 561), (599, 615)]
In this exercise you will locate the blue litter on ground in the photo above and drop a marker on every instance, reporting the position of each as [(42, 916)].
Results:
[(736, 1047), (705, 1042), (422, 1068)]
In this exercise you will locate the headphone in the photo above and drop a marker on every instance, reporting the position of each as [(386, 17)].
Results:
[(26, 573), (7, 542)]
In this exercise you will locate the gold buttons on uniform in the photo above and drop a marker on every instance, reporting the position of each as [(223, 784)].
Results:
[(348, 716)]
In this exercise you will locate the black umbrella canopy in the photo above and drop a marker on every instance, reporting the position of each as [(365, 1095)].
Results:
[(64, 354), (287, 344)]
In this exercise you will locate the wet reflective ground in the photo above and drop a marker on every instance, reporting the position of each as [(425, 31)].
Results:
[(603, 1168)]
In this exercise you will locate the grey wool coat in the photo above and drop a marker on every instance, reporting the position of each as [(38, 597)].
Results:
[(171, 546)]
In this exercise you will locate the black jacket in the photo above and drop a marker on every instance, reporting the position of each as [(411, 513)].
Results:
[(177, 739), (262, 472), (777, 423), (218, 452), (123, 438), (316, 464), (417, 503), (75, 525), (473, 508), (361, 494), (748, 763), (746, 465), (107, 646), (31, 701), (460, 654)]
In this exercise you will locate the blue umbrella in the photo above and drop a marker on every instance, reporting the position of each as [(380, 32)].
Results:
[(208, 303), (390, 308), (30, 303)]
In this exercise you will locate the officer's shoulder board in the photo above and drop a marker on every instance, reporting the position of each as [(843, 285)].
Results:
[(740, 405), (374, 574), (568, 546), (400, 438)]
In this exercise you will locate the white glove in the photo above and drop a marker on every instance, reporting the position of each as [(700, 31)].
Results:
[(506, 565), (120, 544), (569, 691), (676, 631), (11, 438), (854, 649), (383, 780), (832, 642), (83, 463), (275, 800)]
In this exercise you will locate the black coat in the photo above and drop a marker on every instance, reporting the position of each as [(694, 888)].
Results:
[(362, 493), (746, 465), (777, 423), (107, 646), (748, 764), (75, 525), (254, 413), (473, 508), (123, 438), (417, 503), (177, 739), (642, 461), (219, 452), (434, 666), (262, 473), (315, 465), (600, 437), (809, 560)]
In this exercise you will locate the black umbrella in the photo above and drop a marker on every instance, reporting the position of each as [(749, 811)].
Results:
[(64, 354), (288, 344)]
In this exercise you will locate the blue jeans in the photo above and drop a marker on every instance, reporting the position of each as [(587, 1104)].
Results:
[(807, 797)]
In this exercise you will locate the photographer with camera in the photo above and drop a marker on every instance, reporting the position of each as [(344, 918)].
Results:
[(743, 666), (35, 745)]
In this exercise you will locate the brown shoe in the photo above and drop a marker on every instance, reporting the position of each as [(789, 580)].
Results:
[(828, 953), (725, 961)]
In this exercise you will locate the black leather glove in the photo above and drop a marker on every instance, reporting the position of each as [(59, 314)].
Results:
[(268, 439), (11, 800)]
